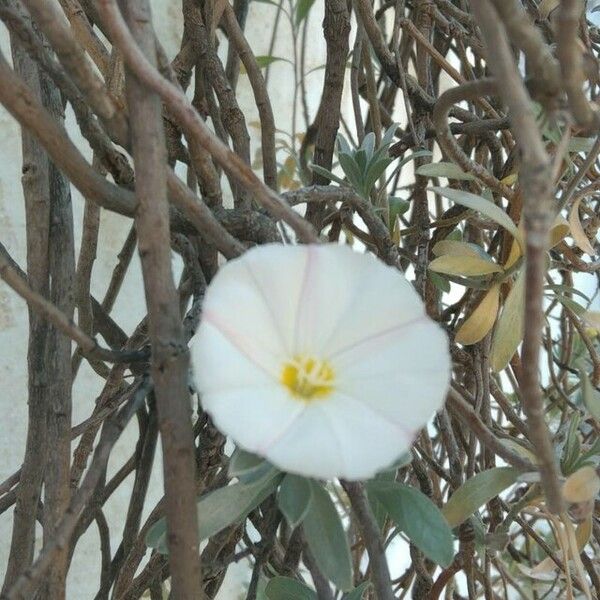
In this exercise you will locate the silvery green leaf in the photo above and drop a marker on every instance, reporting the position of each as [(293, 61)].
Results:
[(286, 588), (418, 517), (327, 539), (294, 498)]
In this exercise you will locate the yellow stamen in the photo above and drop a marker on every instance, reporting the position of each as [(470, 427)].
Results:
[(308, 378)]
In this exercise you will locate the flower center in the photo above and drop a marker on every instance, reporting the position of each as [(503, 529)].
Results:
[(308, 378)]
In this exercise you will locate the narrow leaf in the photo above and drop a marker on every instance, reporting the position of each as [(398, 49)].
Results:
[(464, 266), (286, 588), (482, 205), (368, 145), (358, 592), (476, 492), (482, 319), (591, 398), (456, 248), (295, 496), (447, 170), (243, 462), (388, 136), (418, 517), (265, 61), (302, 9), (327, 540), (413, 156), (374, 172), (509, 330), (579, 236), (351, 170), (397, 206), (325, 173), (559, 230)]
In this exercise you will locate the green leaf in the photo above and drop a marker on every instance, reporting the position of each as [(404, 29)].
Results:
[(418, 517), (590, 396), (571, 304), (476, 492), (581, 144), (244, 465), (360, 158), (379, 511), (368, 145), (221, 508), (343, 145), (444, 169), (388, 136), (482, 205), (286, 588), (358, 592), (294, 498), (567, 289), (156, 536), (325, 173), (397, 206), (413, 156), (440, 282), (572, 447), (265, 61), (230, 504), (327, 540), (374, 172), (509, 329), (302, 9), (351, 170)]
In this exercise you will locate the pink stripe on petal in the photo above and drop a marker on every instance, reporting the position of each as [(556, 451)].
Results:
[(303, 302), (380, 335), (276, 325), (244, 346)]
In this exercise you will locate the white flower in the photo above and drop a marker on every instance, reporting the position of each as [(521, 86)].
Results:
[(319, 359)]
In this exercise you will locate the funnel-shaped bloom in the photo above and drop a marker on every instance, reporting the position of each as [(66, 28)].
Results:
[(319, 359)]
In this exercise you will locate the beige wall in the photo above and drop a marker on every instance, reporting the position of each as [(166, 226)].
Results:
[(129, 309)]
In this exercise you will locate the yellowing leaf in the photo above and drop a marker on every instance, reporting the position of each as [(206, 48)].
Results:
[(543, 571), (592, 318), (514, 255), (582, 485), (577, 231), (510, 179), (456, 248), (465, 266), (547, 6), (509, 331), (482, 319), (583, 533), (559, 230)]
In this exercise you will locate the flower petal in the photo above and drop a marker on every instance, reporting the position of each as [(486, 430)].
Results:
[(377, 298), (222, 360), (402, 375), (257, 294), (277, 272), (368, 440), (254, 417), (331, 282), (309, 447)]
